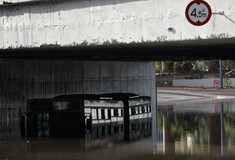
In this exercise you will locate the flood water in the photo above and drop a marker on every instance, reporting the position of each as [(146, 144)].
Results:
[(194, 130)]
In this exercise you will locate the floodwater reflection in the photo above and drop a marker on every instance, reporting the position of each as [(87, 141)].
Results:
[(184, 131), (198, 129)]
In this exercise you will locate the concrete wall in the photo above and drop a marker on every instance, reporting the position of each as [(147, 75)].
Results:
[(72, 23), (211, 82), (16, 1), (26, 79)]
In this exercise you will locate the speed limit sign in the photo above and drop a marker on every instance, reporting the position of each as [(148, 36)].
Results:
[(198, 12)]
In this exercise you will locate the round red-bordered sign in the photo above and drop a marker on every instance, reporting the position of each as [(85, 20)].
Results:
[(198, 12)]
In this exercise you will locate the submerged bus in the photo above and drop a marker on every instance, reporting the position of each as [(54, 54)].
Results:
[(88, 115)]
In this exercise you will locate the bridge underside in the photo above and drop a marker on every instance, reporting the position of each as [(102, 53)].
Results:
[(177, 50)]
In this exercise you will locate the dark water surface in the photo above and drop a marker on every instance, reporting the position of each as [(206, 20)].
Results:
[(199, 130)]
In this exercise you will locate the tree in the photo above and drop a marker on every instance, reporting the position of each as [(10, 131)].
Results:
[(213, 66)]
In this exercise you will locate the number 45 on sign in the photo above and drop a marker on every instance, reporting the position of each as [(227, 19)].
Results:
[(198, 12)]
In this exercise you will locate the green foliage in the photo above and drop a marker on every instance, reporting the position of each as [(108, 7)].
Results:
[(169, 66), (193, 124), (159, 66), (175, 66), (228, 64), (196, 74), (193, 66), (213, 66), (229, 127), (160, 121), (177, 129), (187, 66), (202, 65)]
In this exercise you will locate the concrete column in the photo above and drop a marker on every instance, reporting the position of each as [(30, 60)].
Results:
[(221, 75)]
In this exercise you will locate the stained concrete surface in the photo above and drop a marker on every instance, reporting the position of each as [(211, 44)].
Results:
[(21, 80), (74, 23)]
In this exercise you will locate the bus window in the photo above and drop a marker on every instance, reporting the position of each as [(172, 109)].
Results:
[(106, 113), (87, 110), (112, 112), (94, 114), (150, 108), (140, 110), (102, 114), (132, 111), (145, 109), (109, 113), (136, 110), (99, 113), (119, 112), (115, 112)]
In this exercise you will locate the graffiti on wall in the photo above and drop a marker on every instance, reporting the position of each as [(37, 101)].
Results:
[(227, 82), (216, 82)]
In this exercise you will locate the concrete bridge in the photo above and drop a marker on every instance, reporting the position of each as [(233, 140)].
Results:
[(49, 48), (116, 29)]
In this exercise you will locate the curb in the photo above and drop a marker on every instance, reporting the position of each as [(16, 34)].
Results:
[(196, 94)]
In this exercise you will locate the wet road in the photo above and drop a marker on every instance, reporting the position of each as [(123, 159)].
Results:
[(194, 130), (164, 98)]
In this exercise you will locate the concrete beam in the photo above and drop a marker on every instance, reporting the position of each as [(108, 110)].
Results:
[(178, 50), (75, 23)]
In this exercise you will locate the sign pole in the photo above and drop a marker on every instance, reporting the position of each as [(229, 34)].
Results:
[(221, 74)]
